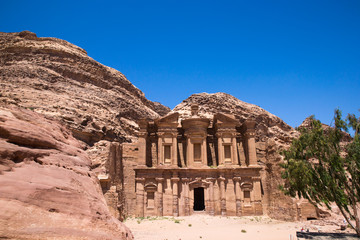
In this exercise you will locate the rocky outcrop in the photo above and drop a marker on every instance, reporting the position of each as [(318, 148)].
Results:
[(346, 137), (47, 188), (58, 79), (98, 104), (272, 134)]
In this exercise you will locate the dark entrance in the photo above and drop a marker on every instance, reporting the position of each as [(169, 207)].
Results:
[(199, 203)]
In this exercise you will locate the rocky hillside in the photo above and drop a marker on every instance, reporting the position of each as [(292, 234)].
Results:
[(48, 182), (58, 79), (47, 188), (272, 134)]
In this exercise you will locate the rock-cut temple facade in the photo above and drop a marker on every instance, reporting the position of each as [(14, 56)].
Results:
[(197, 164)]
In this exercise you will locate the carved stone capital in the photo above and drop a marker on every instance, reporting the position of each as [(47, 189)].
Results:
[(237, 179), (159, 179), (218, 135), (250, 134), (227, 131), (221, 178), (210, 179), (185, 179), (175, 179), (172, 132), (140, 179), (160, 134)]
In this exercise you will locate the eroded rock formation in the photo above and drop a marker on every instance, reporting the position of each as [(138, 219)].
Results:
[(47, 188), (58, 79)]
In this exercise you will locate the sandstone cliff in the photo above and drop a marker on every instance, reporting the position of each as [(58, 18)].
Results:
[(272, 134), (58, 79), (48, 183), (47, 188)]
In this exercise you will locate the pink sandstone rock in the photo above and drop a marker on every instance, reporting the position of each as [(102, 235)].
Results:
[(47, 189)]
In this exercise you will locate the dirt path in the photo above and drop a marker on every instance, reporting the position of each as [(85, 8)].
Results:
[(205, 227)]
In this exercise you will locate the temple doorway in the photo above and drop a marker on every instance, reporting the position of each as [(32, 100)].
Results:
[(199, 200)]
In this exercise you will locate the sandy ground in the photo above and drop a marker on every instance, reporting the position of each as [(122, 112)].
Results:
[(205, 227)]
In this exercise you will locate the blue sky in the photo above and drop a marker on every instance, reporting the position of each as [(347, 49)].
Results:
[(292, 58)]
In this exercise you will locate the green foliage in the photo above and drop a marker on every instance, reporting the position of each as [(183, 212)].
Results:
[(315, 167)]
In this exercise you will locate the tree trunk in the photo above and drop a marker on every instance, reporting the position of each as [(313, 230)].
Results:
[(357, 220), (347, 218)]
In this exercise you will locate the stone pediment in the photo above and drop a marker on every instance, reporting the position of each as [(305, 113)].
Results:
[(170, 120), (225, 120)]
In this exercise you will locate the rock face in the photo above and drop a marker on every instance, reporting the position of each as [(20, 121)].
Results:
[(272, 134), (59, 80), (346, 137), (47, 188)]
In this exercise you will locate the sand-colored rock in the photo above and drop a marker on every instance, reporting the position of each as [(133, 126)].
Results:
[(47, 188), (58, 79)]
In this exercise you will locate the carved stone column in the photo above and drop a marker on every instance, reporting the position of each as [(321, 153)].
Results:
[(142, 147), (204, 151), (189, 151), (222, 196), (174, 153), (160, 160), (140, 197), (154, 151), (234, 154), (250, 138), (238, 196), (186, 193), (211, 193), (257, 188), (175, 184), (220, 149), (160, 182), (257, 196)]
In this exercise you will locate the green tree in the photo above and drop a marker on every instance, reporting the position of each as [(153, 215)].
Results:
[(318, 168)]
